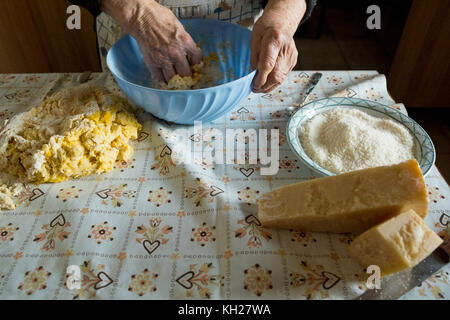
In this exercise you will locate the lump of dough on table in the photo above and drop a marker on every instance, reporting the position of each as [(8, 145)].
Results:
[(9, 194), (75, 132)]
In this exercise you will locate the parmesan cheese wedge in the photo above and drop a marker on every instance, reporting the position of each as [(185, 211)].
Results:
[(396, 244), (350, 202)]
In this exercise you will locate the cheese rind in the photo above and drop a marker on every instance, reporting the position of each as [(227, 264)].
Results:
[(350, 202), (396, 244)]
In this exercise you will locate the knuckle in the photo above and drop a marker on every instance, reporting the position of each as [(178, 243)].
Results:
[(276, 37), (186, 40), (294, 57), (269, 89), (293, 48), (153, 64), (157, 56), (268, 63), (183, 36), (173, 55), (278, 77), (195, 51)]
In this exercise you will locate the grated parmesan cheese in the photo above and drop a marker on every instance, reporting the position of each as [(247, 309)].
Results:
[(344, 139)]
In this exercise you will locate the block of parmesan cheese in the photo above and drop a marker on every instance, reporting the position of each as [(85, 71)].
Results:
[(350, 202), (396, 244)]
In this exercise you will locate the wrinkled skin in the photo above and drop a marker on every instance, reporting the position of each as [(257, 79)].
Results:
[(168, 49), (273, 51)]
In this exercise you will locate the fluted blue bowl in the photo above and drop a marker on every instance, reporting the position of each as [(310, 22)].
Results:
[(186, 106)]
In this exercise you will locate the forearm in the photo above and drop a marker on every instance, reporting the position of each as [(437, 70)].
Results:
[(141, 16), (166, 47), (288, 12), (121, 11)]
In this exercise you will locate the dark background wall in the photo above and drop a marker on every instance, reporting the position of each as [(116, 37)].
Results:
[(34, 38)]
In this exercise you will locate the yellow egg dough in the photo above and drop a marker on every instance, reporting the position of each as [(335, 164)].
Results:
[(203, 75), (73, 133)]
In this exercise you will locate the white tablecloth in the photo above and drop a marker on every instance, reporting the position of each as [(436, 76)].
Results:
[(152, 229)]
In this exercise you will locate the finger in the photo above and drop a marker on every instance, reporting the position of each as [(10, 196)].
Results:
[(182, 67), (155, 72), (253, 84), (275, 78), (259, 90), (254, 51), (285, 63), (194, 55), (267, 90), (168, 72), (266, 61)]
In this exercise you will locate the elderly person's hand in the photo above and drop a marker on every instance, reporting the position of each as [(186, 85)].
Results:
[(166, 47), (273, 51)]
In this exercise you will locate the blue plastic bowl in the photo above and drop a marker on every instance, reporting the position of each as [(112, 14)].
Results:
[(186, 106)]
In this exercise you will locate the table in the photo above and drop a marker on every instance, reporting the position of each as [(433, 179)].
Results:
[(155, 229)]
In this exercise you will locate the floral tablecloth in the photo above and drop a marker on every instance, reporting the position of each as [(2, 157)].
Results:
[(154, 229)]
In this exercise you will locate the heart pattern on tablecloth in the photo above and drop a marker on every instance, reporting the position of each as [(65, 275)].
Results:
[(103, 280), (150, 246), (247, 172), (36, 193), (330, 280), (444, 219), (215, 191), (142, 136), (185, 280), (166, 151), (103, 193), (58, 220), (251, 219)]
